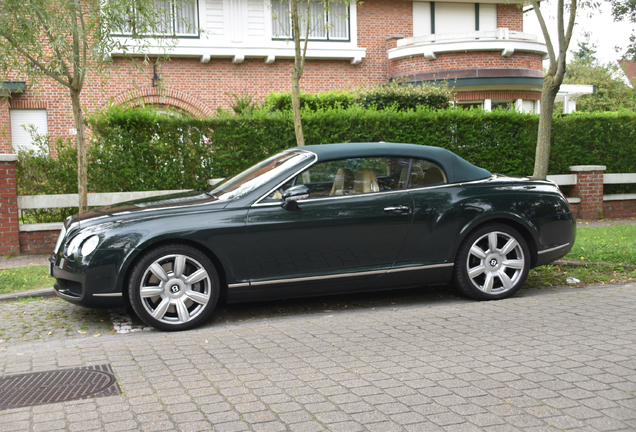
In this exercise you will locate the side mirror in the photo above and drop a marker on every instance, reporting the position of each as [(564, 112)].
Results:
[(293, 194)]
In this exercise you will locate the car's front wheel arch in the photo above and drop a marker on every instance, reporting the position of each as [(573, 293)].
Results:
[(173, 286), (125, 280)]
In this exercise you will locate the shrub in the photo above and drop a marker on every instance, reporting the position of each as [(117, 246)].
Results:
[(380, 96), (146, 149)]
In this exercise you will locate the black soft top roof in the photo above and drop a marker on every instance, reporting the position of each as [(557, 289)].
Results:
[(457, 169)]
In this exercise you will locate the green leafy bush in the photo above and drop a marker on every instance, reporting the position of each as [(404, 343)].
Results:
[(146, 149), (39, 174), (379, 96), (403, 96)]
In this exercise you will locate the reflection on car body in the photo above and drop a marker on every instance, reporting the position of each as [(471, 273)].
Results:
[(315, 220)]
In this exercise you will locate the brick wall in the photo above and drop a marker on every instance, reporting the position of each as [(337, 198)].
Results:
[(38, 242), (465, 60), (619, 209), (510, 16), (9, 241)]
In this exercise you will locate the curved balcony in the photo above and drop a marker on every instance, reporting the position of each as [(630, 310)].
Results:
[(502, 39)]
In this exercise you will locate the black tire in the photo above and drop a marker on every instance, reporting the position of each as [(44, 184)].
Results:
[(492, 262), (180, 287)]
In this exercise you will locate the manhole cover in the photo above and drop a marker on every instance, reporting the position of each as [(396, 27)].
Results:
[(39, 388)]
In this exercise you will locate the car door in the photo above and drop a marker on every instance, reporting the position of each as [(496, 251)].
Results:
[(353, 223)]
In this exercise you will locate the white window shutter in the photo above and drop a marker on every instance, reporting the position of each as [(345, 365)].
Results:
[(20, 137)]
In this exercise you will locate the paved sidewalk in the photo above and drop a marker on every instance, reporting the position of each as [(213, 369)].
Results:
[(23, 261), (545, 360)]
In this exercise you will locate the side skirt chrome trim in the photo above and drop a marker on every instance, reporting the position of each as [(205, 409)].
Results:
[(342, 275), (108, 295), (553, 249), (426, 267), (313, 278), (238, 285)]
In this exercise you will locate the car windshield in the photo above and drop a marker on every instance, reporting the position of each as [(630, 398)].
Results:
[(256, 176)]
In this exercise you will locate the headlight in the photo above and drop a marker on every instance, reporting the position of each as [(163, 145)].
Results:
[(89, 245), (74, 245)]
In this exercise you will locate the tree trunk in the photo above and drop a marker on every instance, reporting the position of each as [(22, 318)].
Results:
[(542, 158), (82, 171), (297, 71), (298, 127)]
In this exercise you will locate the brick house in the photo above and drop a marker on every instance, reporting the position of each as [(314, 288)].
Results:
[(480, 48)]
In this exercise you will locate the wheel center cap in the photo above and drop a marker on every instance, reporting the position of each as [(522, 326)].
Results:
[(493, 262), (174, 288)]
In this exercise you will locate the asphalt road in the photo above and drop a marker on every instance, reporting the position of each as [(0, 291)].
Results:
[(427, 360)]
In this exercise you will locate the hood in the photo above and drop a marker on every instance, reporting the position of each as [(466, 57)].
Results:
[(195, 200)]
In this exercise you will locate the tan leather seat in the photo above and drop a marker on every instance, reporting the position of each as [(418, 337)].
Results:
[(433, 175), (417, 176), (343, 183), (365, 181)]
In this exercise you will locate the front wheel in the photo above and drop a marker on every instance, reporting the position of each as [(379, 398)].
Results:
[(174, 287), (492, 263)]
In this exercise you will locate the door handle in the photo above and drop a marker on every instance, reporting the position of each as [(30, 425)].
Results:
[(398, 209)]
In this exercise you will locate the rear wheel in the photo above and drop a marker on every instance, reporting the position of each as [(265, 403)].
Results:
[(174, 287), (492, 263)]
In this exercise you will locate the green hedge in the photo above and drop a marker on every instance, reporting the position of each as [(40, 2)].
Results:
[(140, 149), (381, 96)]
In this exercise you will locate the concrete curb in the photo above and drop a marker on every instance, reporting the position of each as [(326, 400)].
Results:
[(41, 292)]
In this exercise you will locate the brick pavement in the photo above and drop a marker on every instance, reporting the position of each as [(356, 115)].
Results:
[(544, 360)]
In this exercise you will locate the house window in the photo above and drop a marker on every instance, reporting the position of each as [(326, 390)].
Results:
[(323, 25), (175, 18), (437, 17), (26, 126)]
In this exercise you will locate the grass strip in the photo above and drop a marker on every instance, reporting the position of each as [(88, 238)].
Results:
[(24, 278), (612, 244)]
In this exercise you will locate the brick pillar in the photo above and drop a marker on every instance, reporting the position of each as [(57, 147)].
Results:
[(5, 126), (589, 188), (9, 235)]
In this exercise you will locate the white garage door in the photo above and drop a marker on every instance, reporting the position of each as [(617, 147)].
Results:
[(21, 138)]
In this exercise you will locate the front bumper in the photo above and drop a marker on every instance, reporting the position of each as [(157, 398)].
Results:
[(93, 281)]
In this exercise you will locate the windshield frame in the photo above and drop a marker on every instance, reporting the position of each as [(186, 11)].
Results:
[(251, 179)]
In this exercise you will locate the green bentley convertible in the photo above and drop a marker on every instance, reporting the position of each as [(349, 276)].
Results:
[(315, 220)]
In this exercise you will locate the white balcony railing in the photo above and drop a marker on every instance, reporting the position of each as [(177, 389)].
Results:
[(501, 39)]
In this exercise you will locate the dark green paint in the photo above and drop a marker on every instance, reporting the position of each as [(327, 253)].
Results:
[(266, 244)]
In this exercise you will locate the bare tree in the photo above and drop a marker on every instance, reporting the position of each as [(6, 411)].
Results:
[(301, 37), (64, 40), (553, 78)]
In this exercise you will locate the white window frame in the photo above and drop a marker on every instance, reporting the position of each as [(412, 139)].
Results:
[(174, 21), (327, 18)]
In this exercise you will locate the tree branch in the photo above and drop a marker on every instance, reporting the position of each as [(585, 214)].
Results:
[(33, 61), (84, 43), (52, 40), (546, 34)]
